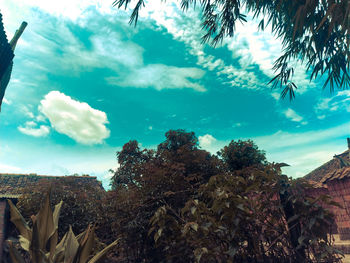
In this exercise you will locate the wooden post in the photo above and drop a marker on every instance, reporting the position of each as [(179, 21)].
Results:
[(17, 35)]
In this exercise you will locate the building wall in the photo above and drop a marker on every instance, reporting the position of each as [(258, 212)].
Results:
[(339, 190), (3, 205), (318, 191)]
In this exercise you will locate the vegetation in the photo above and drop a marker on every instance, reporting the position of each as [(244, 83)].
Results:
[(80, 202), (183, 204), (179, 203), (41, 241), (315, 32)]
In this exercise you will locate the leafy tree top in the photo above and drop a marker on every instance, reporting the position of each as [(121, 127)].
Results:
[(242, 154), (315, 31), (175, 139)]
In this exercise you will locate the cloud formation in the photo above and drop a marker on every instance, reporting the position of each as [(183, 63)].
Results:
[(337, 103), (206, 141), (303, 151), (30, 128), (75, 119), (260, 48), (293, 116), (161, 77)]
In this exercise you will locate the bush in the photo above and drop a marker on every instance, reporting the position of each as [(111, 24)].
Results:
[(182, 204), (80, 202)]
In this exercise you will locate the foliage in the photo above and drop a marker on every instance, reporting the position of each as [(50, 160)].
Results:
[(170, 176), (242, 154), (41, 241), (130, 160), (80, 202), (240, 219), (190, 206), (316, 32)]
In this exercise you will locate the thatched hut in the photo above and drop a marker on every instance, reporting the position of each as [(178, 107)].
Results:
[(333, 178)]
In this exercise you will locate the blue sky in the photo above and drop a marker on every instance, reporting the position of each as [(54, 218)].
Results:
[(85, 82)]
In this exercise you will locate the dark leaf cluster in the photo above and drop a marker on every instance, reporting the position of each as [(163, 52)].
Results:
[(184, 204)]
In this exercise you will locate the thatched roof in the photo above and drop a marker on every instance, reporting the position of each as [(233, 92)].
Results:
[(338, 174), (11, 185), (331, 169), (317, 185)]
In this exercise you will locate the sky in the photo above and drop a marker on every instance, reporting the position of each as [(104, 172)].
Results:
[(85, 82)]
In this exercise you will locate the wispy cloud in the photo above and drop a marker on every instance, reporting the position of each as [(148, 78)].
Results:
[(75, 119), (31, 128), (338, 103), (161, 77), (206, 141), (107, 48), (303, 151), (9, 169), (259, 48), (293, 116), (186, 27)]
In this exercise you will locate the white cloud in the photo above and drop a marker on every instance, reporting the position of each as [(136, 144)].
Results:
[(283, 140), (66, 9), (186, 27), (209, 143), (8, 102), (338, 103), (26, 111), (105, 49), (293, 116), (276, 95), (30, 128), (303, 151), (206, 141), (238, 124), (161, 77), (248, 46), (109, 50), (9, 168), (75, 119)]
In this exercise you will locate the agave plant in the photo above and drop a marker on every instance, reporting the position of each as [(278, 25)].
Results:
[(41, 240)]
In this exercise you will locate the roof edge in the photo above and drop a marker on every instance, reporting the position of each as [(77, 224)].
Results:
[(50, 176)]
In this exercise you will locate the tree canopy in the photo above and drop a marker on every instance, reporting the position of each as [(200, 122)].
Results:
[(317, 32), (183, 204)]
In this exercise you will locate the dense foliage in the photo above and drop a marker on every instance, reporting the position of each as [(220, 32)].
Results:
[(41, 240), (314, 31), (80, 202), (179, 203)]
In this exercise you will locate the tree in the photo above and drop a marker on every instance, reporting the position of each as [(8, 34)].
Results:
[(186, 205), (240, 219), (316, 32), (170, 176), (130, 160), (242, 154)]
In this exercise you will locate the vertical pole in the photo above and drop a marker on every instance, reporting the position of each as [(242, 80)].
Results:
[(17, 35)]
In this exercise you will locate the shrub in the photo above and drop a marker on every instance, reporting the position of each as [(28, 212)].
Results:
[(80, 202)]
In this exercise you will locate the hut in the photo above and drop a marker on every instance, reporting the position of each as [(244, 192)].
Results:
[(333, 178)]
